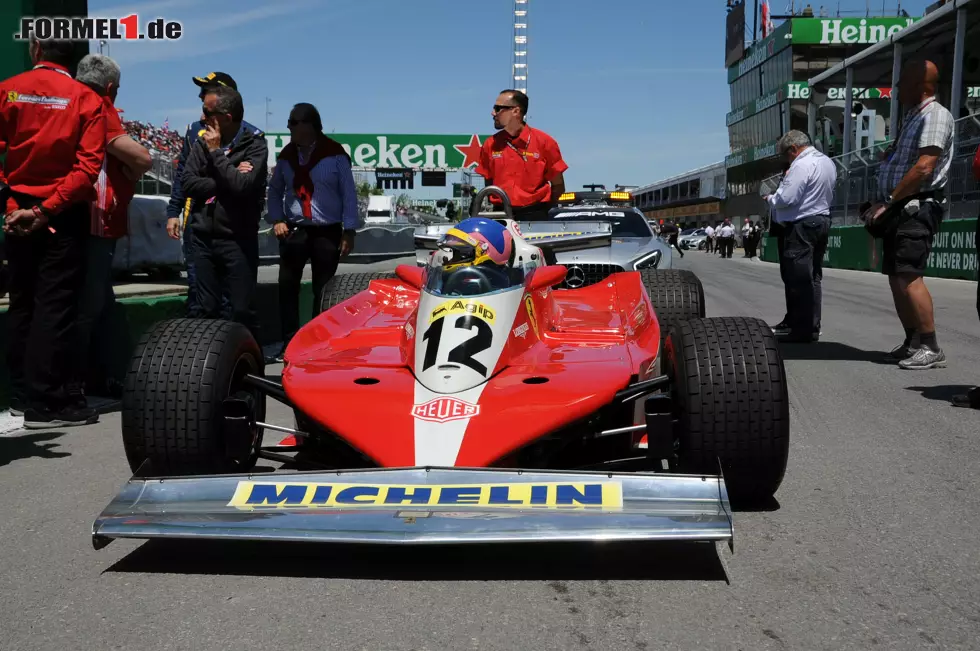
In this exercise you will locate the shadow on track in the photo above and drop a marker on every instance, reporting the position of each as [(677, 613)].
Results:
[(832, 351), (943, 392), (666, 561), (14, 448)]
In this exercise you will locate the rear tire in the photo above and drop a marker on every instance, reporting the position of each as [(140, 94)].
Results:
[(677, 296), (343, 286), (729, 388), (181, 371)]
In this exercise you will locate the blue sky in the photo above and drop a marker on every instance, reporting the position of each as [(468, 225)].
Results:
[(632, 90)]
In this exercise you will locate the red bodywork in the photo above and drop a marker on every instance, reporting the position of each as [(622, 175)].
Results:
[(588, 343)]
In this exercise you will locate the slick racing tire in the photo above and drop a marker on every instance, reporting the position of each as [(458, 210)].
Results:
[(677, 295), (343, 286), (730, 395), (173, 399)]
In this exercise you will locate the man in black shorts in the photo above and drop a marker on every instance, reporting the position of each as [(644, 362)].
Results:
[(912, 180)]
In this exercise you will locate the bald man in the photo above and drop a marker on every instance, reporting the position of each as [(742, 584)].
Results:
[(911, 183)]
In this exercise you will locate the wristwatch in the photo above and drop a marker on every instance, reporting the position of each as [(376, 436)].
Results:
[(40, 213)]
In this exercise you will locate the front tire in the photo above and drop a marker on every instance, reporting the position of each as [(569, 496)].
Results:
[(677, 295), (732, 404), (181, 372)]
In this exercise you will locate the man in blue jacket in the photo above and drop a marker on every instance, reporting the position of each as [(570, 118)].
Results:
[(178, 212)]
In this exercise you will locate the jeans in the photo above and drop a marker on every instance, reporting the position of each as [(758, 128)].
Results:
[(226, 266), (320, 245), (46, 276), (192, 299), (96, 296), (801, 264)]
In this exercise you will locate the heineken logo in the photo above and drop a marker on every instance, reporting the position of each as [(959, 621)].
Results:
[(765, 151), (847, 31), (798, 90), (766, 101), (735, 116), (420, 151)]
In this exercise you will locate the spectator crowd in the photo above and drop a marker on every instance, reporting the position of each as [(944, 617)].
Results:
[(159, 141)]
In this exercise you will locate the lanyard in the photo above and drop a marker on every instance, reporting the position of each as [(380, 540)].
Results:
[(523, 156), (58, 70)]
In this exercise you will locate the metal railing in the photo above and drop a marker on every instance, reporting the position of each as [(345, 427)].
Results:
[(857, 178)]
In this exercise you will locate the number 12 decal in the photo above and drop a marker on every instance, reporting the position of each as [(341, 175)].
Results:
[(464, 352)]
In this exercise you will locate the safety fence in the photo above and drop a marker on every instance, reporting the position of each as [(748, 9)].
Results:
[(857, 178)]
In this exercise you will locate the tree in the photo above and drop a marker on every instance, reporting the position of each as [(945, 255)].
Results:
[(403, 200)]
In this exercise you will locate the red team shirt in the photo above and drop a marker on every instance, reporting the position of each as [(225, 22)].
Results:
[(53, 131), (521, 166), (114, 190)]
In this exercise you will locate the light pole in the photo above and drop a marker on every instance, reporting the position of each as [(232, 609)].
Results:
[(267, 114)]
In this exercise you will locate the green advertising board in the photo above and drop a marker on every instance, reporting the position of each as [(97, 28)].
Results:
[(418, 151), (762, 51), (846, 31), (750, 154), (954, 253)]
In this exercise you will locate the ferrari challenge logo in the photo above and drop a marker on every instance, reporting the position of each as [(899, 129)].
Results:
[(598, 495), (443, 410), (473, 308)]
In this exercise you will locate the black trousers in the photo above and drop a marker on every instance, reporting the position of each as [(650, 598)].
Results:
[(535, 212), (226, 265), (47, 271), (801, 265), (318, 245), (726, 245)]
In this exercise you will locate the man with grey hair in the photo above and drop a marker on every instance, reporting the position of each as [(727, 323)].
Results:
[(125, 162), (801, 214)]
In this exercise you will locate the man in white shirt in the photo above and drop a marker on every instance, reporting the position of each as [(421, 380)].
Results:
[(801, 211), (726, 239), (709, 240)]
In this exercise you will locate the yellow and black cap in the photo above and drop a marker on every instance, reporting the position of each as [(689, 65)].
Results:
[(215, 79)]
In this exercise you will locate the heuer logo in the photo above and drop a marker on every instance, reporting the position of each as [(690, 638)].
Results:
[(521, 331), (443, 410)]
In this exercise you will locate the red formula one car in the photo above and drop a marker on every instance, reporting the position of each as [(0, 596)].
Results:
[(462, 403)]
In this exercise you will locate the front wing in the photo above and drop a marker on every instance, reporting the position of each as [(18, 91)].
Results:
[(422, 505)]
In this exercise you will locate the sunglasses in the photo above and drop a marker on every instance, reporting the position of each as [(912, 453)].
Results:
[(497, 108), (292, 123)]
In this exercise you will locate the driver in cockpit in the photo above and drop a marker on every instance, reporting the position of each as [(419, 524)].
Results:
[(477, 256)]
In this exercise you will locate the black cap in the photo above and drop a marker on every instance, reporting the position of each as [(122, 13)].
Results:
[(215, 79)]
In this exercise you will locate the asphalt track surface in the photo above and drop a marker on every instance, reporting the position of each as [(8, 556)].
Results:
[(873, 542)]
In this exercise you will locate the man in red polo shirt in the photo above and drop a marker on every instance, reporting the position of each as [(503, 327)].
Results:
[(524, 162), (52, 129), (125, 162)]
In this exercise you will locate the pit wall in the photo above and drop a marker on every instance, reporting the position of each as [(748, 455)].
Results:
[(954, 252)]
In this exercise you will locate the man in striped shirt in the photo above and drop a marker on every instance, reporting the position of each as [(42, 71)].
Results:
[(911, 184), (313, 206)]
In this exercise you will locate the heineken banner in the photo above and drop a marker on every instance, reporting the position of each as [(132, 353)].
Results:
[(954, 253), (846, 31), (417, 152), (762, 51), (801, 90), (759, 152)]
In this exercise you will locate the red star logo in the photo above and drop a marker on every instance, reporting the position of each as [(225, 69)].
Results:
[(470, 152), (885, 93)]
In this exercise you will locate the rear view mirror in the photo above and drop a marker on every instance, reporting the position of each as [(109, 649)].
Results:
[(547, 277), (410, 274)]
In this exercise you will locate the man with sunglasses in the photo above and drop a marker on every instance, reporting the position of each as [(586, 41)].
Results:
[(524, 162), (178, 211), (225, 177)]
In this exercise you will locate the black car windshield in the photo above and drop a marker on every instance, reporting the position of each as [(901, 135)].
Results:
[(625, 223)]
